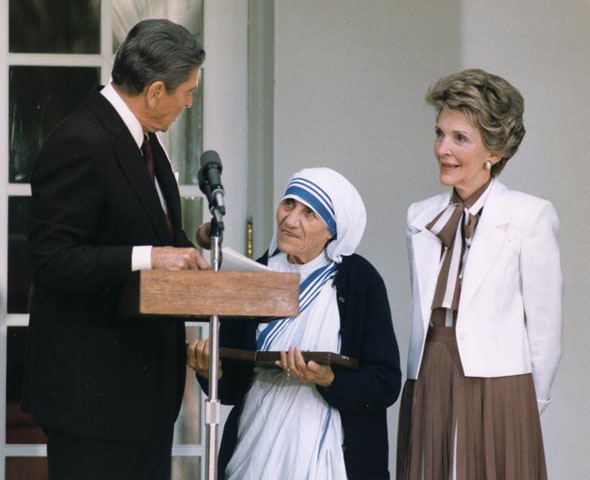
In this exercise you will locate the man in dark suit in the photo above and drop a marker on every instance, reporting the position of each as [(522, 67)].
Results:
[(107, 389)]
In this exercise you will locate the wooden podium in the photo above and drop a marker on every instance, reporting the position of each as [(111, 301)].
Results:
[(205, 293), (210, 296)]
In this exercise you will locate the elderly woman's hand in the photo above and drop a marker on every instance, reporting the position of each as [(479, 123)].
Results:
[(197, 357), (306, 372)]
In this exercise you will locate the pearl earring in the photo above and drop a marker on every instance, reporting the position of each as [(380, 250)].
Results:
[(487, 165)]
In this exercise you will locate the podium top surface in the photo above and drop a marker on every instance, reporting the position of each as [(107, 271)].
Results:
[(206, 293)]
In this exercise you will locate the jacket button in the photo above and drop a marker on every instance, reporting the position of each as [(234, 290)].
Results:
[(341, 299), (462, 336)]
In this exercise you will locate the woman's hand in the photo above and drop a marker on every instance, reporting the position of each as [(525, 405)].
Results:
[(293, 364), (197, 357)]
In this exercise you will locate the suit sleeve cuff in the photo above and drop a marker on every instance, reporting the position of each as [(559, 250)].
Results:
[(141, 258)]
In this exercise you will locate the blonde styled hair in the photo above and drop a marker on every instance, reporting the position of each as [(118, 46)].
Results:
[(490, 103)]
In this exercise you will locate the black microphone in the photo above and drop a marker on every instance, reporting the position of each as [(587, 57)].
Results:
[(210, 180)]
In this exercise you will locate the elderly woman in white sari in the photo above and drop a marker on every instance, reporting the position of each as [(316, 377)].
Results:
[(303, 420)]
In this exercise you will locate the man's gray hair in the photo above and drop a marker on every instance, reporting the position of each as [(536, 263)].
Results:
[(156, 50)]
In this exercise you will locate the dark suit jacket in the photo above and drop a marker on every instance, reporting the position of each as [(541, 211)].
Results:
[(361, 396), (89, 371)]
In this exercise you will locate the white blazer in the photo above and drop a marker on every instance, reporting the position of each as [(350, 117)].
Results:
[(510, 309)]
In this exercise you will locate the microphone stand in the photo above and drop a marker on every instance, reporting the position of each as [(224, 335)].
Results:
[(212, 404)]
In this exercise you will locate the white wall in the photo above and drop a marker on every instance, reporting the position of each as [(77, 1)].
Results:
[(350, 79), (542, 47), (225, 106)]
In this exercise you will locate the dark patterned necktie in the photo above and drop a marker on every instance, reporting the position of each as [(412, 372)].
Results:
[(146, 150)]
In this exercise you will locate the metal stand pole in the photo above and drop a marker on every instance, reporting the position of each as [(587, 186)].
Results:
[(212, 404)]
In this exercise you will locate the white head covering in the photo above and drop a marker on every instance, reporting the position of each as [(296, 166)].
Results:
[(336, 201)]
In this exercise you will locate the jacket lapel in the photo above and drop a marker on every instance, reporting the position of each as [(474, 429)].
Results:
[(131, 162), (426, 248), (489, 237), (133, 166), (427, 257), (167, 182)]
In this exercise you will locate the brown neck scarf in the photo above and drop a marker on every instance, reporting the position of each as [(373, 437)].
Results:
[(454, 227)]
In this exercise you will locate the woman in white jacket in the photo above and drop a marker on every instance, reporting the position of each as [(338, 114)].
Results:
[(487, 299)]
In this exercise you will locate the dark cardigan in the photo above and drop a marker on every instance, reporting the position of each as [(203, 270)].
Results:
[(361, 396)]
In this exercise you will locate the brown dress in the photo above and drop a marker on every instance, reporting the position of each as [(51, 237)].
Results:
[(453, 427)]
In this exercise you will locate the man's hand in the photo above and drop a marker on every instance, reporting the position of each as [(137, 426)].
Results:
[(172, 258), (197, 357)]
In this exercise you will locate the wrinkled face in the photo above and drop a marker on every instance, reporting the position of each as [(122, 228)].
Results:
[(301, 233), (171, 104), (461, 153)]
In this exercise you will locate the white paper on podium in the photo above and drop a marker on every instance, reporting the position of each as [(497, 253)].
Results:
[(233, 261)]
